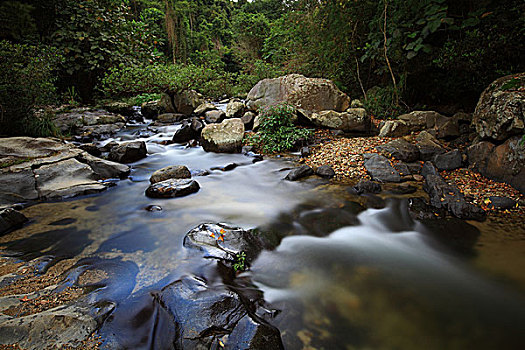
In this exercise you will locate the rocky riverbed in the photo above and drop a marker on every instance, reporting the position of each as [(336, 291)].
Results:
[(378, 234)]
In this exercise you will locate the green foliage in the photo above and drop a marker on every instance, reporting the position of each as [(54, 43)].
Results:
[(239, 263), (277, 132), (16, 22), (142, 98), (26, 81), (380, 103)]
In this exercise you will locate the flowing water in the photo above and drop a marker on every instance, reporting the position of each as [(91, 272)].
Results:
[(340, 277)]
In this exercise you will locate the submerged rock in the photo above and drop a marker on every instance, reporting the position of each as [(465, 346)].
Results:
[(365, 186), (172, 188), (10, 219), (58, 327)]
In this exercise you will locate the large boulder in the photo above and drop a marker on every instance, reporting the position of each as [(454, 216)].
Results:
[(420, 120), (187, 101), (214, 116), (449, 161), (309, 94), (500, 112), (505, 162), (203, 108), (353, 119), (225, 137), (128, 152)]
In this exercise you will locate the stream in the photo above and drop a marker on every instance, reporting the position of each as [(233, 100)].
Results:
[(341, 276)]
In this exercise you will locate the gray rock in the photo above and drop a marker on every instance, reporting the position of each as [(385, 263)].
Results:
[(325, 171), (420, 120), (169, 118), (428, 146), (448, 130), (120, 108), (400, 149), (10, 219), (187, 101), (28, 147), (151, 109), (225, 137), (170, 172), (310, 94), (58, 327), (184, 134), (234, 109), (91, 148), (128, 152), (172, 188), (223, 242), (429, 169), (196, 126), (67, 178), (448, 161), (203, 108), (215, 116), (105, 169), (17, 186), (365, 186), (299, 172), (381, 169), (500, 112), (353, 119), (394, 128), (248, 118)]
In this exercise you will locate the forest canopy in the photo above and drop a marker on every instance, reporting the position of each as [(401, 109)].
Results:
[(393, 54)]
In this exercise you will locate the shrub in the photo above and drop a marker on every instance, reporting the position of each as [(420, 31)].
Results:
[(26, 81), (277, 132)]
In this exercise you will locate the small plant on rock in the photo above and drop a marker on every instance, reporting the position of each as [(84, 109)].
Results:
[(277, 132), (240, 262)]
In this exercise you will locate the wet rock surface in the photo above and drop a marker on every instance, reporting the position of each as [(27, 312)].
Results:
[(299, 173), (10, 219), (170, 172), (172, 188), (128, 152)]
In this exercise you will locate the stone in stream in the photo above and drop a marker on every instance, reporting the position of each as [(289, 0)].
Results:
[(128, 152), (172, 188), (169, 118), (381, 169), (299, 172), (365, 186), (10, 219), (203, 315), (170, 172), (223, 242), (225, 137), (203, 108), (105, 169), (400, 149), (184, 134), (215, 116), (234, 109), (448, 161), (325, 171)]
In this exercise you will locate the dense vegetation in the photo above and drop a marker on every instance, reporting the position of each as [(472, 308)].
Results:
[(393, 54)]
